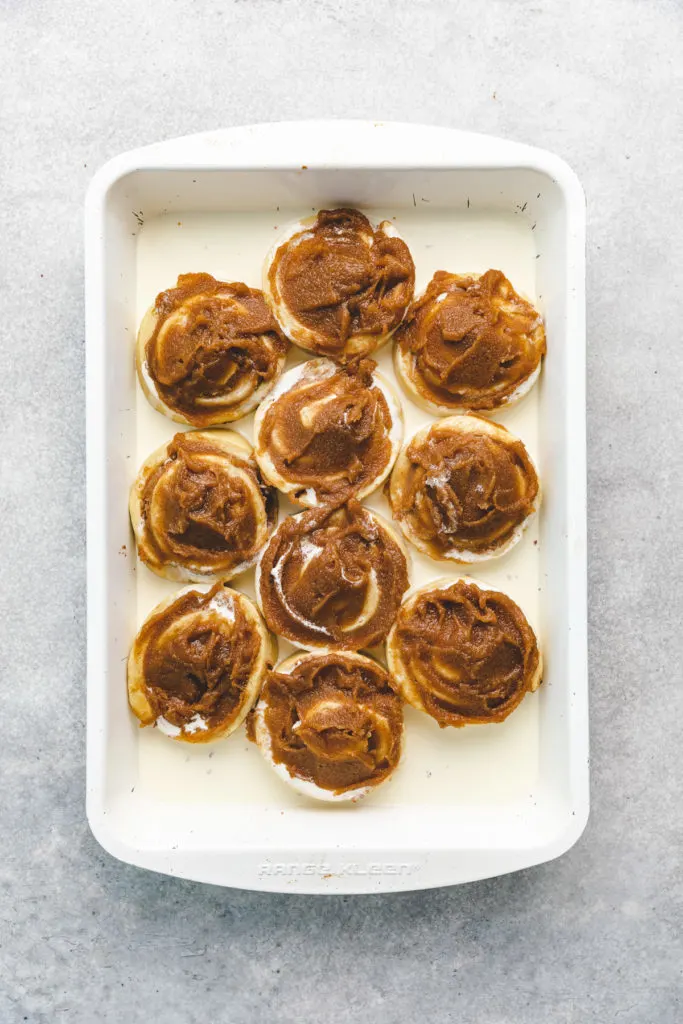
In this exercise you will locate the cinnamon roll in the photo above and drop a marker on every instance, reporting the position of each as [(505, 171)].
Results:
[(198, 662), (326, 432), (331, 725), (199, 508), (463, 652), (332, 578), (208, 352), (464, 489), (470, 342), (338, 286)]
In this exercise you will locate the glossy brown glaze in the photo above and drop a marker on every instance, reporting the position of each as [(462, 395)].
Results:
[(203, 508), (213, 347), (470, 342), (328, 434), (333, 720), (332, 578), (463, 654), (199, 659), (341, 279), (465, 486)]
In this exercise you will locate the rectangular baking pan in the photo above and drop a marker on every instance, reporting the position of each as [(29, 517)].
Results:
[(466, 804)]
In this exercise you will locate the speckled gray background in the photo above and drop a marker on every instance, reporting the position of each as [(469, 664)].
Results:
[(593, 937)]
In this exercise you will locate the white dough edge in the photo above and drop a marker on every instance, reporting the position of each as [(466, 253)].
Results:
[(362, 344), (155, 399), (326, 647), (394, 662), (263, 741), (267, 656), (314, 370), (465, 423), (234, 444)]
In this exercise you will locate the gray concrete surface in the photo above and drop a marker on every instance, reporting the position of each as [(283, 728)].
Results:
[(593, 937)]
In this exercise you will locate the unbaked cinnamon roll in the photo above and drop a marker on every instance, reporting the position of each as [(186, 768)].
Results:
[(470, 342), (199, 508), (198, 662), (464, 489), (462, 652), (332, 578), (338, 286), (208, 352), (326, 432), (331, 725)]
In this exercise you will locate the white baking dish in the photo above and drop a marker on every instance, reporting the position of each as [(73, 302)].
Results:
[(465, 804)]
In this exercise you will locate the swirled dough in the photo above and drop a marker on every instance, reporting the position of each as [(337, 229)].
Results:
[(326, 432), (208, 352), (199, 508), (332, 578), (330, 724), (469, 343), (464, 489), (338, 286), (198, 662), (463, 653)]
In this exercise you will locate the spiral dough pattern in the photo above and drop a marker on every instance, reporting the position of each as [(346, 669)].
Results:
[(463, 653), (197, 664), (332, 578), (338, 286), (330, 724), (469, 343), (199, 508), (208, 352)]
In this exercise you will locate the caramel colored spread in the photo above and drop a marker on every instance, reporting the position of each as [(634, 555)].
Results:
[(472, 341), (198, 657), (205, 508), (334, 721), (469, 655), (341, 278), (332, 578), (213, 346), (464, 491), (331, 433)]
